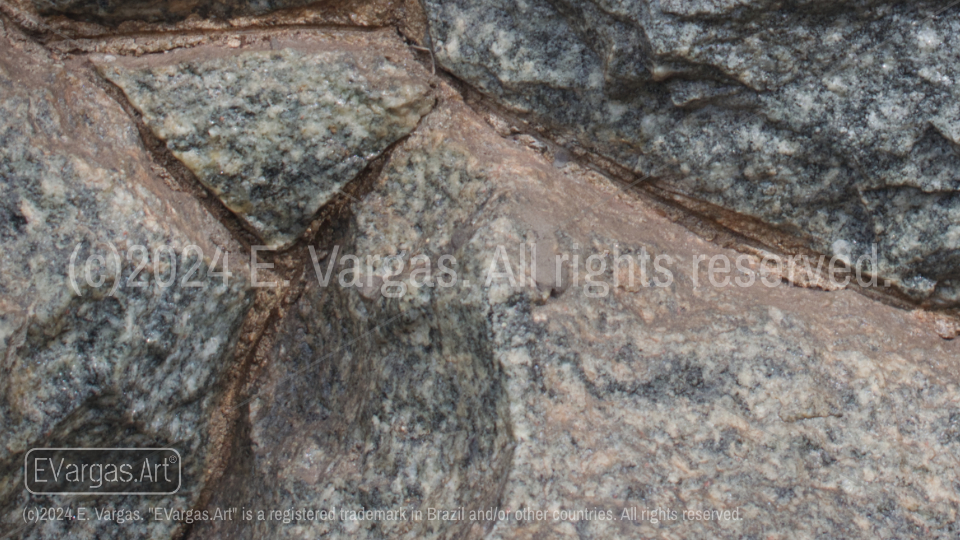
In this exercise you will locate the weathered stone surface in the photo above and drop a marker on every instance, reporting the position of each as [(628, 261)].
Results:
[(606, 394), (810, 413), (364, 404), (114, 11), (276, 134), (143, 367), (838, 123)]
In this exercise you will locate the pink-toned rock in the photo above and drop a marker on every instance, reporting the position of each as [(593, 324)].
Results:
[(669, 407)]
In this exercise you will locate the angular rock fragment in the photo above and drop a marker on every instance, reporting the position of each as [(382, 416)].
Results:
[(642, 386), (89, 358), (277, 133), (835, 123)]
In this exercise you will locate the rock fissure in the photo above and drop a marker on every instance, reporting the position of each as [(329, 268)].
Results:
[(447, 137)]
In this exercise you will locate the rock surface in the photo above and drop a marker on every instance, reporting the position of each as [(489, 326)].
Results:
[(807, 413), (277, 133), (419, 353), (836, 123), (143, 366), (114, 11)]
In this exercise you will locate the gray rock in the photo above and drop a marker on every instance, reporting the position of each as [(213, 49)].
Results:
[(141, 367), (383, 404), (276, 134), (835, 123), (801, 412)]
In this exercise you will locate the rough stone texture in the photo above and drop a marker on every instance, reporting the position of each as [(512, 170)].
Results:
[(835, 122), (810, 413), (141, 368), (142, 31), (277, 133), (115, 11), (815, 414), (377, 404)]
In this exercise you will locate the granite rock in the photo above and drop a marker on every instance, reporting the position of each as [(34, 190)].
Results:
[(378, 404), (89, 360), (277, 133), (835, 123), (801, 412), (480, 329)]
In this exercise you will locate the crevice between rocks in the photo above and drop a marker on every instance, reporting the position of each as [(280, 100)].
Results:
[(292, 265), (291, 272), (722, 227), (719, 226), (48, 28), (176, 175)]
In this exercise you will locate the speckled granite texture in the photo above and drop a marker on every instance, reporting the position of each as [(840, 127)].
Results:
[(276, 134), (143, 367), (835, 122), (384, 404), (808, 413), (596, 407)]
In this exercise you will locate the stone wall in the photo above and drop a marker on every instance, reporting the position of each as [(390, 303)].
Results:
[(555, 268)]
